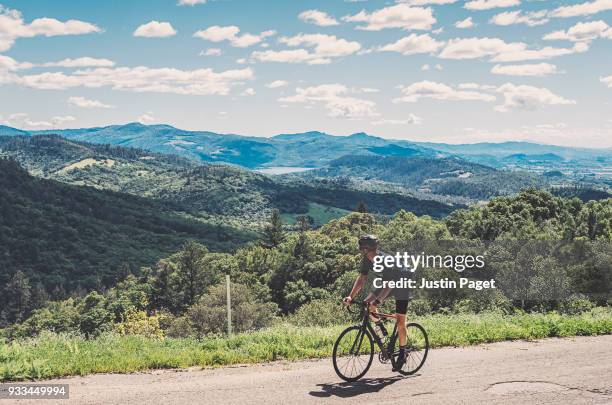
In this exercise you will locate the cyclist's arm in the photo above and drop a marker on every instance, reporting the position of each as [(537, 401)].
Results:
[(383, 294), (358, 285)]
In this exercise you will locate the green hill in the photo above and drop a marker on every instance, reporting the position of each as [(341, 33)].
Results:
[(66, 237)]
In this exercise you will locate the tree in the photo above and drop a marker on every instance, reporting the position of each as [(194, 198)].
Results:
[(189, 272), (362, 208), (273, 233), (17, 297)]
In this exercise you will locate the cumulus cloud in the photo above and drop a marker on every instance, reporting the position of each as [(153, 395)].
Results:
[(155, 29), (191, 2), (211, 52), (83, 102), (410, 119), (80, 62), (317, 17), (539, 54), (9, 64), (277, 83), (398, 16), (606, 80), (582, 32), (12, 27), (439, 91), (413, 44), (336, 99), (539, 69), (586, 8), (531, 19), (23, 120), (464, 24), (230, 33), (474, 48), (249, 92), (146, 118), (528, 98), (139, 79), (318, 49), (426, 2), (500, 51), (489, 4)]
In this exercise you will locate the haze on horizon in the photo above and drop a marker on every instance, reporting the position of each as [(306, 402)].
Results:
[(449, 71)]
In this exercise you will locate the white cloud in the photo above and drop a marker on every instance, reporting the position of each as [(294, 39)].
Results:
[(582, 32), (61, 120), (426, 2), (211, 52), (230, 33), (587, 8), (249, 92), (317, 17), (411, 119), (500, 51), (146, 118), (464, 24), (277, 83), (191, 2), (12, 27), (531, 19), (80, 62), (9, 64), (155, 29), (539, 54), (83, 102), (425, 67), (606, 80), (335, 98), (474, 48), (324, 49), (489, 4), (540, 69), (439, 91), (413, 44), (22, 120), (139, 79), (528, 98), (397, 16)]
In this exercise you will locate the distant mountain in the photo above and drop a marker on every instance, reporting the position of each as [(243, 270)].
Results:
[(443, 176), (213, 193)]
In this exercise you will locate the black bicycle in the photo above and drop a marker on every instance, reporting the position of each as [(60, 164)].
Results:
[(354, 349)]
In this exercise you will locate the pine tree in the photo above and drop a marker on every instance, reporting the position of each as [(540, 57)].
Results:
[(273, 233), (362, 208)]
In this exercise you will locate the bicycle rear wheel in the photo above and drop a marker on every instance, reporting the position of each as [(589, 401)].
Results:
[(417, 347), (353, 353)]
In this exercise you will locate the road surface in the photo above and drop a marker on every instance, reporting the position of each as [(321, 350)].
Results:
[(553, 371)]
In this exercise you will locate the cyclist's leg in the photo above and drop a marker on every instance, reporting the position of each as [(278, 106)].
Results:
[(401, 307)]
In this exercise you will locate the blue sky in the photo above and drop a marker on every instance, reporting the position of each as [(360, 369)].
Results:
[(430, 70)]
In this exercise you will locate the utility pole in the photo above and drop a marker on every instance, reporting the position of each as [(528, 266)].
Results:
[(229, 306)]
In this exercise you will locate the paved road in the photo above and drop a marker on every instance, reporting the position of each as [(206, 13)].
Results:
[(552, 371)]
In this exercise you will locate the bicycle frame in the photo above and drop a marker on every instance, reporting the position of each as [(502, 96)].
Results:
[(367, 325)]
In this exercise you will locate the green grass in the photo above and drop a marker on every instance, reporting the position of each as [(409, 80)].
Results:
[(321, 214), (52, 355)]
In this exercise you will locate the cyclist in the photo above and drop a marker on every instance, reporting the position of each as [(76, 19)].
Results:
[(368, 247)]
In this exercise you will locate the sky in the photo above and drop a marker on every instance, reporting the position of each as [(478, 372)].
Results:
[(450, 71)]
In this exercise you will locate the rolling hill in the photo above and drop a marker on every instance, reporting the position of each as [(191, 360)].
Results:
[(67, 237)]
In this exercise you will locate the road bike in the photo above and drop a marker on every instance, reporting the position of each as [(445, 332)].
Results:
[(354, 349)]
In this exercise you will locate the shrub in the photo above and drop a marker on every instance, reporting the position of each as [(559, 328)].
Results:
[(139, 323), (318, 313), (419, 307), (576, 304)]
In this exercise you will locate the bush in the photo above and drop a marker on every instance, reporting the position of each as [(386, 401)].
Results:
[(180, 328), (139, 323), (209, 315), (576, 305), (318, 313), (482, 301), (419, 307)]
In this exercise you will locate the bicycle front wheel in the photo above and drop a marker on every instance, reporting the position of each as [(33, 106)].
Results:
[(353, 353)]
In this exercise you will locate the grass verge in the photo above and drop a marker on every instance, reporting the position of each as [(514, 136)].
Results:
[(51, 355)]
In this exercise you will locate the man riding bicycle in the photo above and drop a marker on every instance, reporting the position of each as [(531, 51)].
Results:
[(368, 247)]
